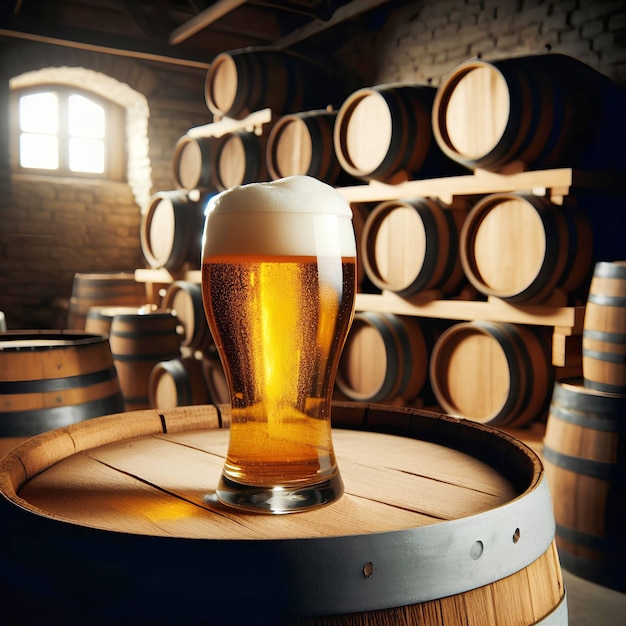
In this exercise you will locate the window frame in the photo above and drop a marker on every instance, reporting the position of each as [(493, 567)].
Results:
[(115, 157)]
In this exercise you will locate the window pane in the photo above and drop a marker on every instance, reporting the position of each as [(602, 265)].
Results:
[(87, 155), (86, 118), (39, 113), (39, 151)]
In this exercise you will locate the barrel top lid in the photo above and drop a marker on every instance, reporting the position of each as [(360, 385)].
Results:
[(294, 194), (14, 340)]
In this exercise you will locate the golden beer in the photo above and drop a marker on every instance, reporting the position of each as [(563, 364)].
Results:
[(278, 289)]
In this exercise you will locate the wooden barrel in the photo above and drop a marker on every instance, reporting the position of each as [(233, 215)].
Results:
[(99, 318), (240, 159), (585, 458), (413, 540), (492, 372), (177, 382), (138, 343), (102, 289), (3, 322), (52, 378), (384, 133), (530, 109), (554, 253), (171, 230), (184, 299), (193, 163), (240, 82), (604, 329), (385, 358), (301, 144), (215, 379), (412, 245)]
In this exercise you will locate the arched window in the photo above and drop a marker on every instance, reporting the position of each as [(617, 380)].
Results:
[(62, 130)]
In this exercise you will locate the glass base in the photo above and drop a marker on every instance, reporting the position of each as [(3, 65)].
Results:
[(276, 500)]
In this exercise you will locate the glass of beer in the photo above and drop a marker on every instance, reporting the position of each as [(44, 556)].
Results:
[(278, 285)]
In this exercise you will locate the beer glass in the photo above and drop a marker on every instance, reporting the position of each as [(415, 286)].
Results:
[(278, 285)]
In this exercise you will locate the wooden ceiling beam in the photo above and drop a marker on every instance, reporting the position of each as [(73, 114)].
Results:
[(203, 19)]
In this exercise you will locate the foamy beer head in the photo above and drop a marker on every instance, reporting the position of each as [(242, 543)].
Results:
[(294, 216)]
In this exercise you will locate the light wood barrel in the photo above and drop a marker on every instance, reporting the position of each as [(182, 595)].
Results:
[(585, 459), (215, 378), (193, 163), (240, 82), (301, 144), (138, 343), (99, 318), (385, 358), (53, 378), (240, 159), (531, 109), (604, 329), (171, 230), (177, 382), (413, 540), (384, 133), (184, 299), (492, 372), (555, 251), (102, 289), (412, 245)]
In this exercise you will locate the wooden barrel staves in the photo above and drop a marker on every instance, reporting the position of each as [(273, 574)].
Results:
[(604, 329), (301, 144), (99, 318), (177, 382), (532, 109), (138, 343), (412, 245), (384, 133), (171, 230), (193, 163), (585, 458), (240, 159), (412, 542), (385, 358), (53, 378), (492, 372), (240, 82), (555, 253), (102, 289), (184, 299)]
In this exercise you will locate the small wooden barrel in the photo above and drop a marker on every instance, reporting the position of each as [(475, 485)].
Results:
[(53, 378), (385, 358), (99, 318), (384, 133), (177, 382), (102, 289), (184, 299), (412, 541), (171, 230), (532, 109), (138, 343), (301, 144), (215, 379), (240, 159), (585, 457), (193, 163), (555, 251), (604, 329), (240, 82), (412, 245), (491, 372)]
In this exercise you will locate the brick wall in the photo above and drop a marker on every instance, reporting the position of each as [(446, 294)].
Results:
[(52, 229)]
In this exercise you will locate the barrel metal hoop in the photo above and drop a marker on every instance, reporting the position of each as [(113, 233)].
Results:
[(420, 564), (606, 387), (606, 269), (600, 335), (35, 421), (603, 300), (586, 467), (608, 357), (182, 383), (592, 421), (47, 385)]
